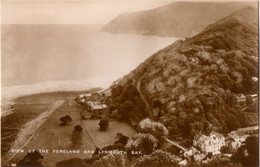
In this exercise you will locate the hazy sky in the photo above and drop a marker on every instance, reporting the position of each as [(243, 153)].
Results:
[(72, 11), (69, 12)]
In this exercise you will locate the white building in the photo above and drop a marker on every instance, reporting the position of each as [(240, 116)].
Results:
[(241, 98), (211, 143), (84, 95), (94, 105), (255, 79)]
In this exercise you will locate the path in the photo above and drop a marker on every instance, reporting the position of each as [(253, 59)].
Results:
[(176, 144), (150, 113)]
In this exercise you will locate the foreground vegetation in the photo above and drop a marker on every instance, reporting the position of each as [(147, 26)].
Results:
[(150, 140)]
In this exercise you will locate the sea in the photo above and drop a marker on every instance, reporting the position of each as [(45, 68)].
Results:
[(40, 58)]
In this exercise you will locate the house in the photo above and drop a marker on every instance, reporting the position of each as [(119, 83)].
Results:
[(94, 109), (241, 99), (97, 107), (211, 143), (84, 95)]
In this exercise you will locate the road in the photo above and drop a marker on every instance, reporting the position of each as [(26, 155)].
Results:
[(147, 105)]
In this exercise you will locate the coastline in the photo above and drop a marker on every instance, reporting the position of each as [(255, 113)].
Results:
[(27, 114)]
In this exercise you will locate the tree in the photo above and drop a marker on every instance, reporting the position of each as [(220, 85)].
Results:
[(65, 120), (156, 129), (146, 143), (117, 90), (120, 138), (252, 146), (158, 158), (76, 138), (111, 160), (78, 128), (103, 124), (32, 159), (252, 108), (249, 100), (248, 155), (124, 109)]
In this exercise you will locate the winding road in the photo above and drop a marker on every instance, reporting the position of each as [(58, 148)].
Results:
[(147, 105)]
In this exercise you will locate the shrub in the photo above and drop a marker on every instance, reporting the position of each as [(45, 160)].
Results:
[(111, 160), (120, 138), (76, 138), (31, 160), (251, 148), (157, 129), (78, 128), (146, 143), (65, 120), (158, 158), (103, 124)]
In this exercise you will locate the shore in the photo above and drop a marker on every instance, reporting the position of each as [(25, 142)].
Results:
[(27, 132)]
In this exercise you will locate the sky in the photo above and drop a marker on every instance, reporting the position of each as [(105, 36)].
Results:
[(69, 12), (73, 11)]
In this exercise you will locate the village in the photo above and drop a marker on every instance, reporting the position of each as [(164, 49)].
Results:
[(205, 148)]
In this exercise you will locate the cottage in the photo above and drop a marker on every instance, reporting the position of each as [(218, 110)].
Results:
[(98, 108), (211, 143), (241, 99), (84, 95), (95, 109)]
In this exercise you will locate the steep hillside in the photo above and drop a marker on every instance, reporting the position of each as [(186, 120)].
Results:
[(178, 19), (191, 85)]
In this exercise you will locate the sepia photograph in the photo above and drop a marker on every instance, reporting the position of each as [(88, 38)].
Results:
[(129, 83)]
